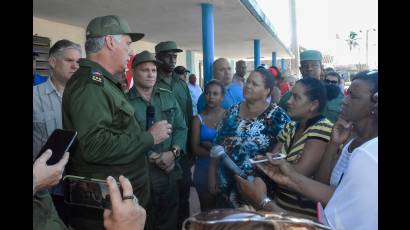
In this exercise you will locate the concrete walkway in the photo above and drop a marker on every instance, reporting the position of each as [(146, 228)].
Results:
[(194, 205)]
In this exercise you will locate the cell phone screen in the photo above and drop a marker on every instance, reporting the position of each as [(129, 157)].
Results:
[(261, 159), (59, 142), (87, 192)]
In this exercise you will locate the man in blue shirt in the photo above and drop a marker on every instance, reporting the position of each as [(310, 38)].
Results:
[(221, 71), (37, 78)]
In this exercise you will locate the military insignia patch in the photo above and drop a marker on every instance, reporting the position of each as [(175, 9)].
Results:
[(97, 78)]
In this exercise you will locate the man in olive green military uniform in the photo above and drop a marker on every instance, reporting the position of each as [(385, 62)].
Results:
[(110, 140), (311, 66), (166, 55), (163, 167)]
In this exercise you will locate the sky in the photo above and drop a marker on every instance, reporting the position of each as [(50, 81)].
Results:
[(320, 21)]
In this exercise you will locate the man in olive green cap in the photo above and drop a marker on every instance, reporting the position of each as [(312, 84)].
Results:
[(110, 140), (311, 66), (166, 55), (152, 103)]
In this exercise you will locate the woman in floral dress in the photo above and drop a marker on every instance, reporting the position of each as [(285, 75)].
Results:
[(247, 130)]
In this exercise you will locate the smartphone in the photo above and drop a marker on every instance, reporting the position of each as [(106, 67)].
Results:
[(277, 156), (87, 192), (59, 142)]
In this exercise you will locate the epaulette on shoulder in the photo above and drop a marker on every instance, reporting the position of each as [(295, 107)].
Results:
[(165, 90), (96, 78)]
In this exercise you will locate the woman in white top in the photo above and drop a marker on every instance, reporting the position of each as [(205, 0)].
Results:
[(352, 200)]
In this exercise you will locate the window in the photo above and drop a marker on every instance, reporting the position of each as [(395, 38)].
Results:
[(42, 45)]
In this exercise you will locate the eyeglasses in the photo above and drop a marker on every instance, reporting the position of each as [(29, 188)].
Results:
[(331, 82)]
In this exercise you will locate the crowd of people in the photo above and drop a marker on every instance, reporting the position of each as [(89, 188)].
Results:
[(149, 137)]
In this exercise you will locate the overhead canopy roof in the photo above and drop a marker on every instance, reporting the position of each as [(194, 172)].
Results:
[(178, 20)]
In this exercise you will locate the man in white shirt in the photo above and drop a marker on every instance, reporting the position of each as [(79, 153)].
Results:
[(195, 91), (63, 57), (47, 98), (239, 76)]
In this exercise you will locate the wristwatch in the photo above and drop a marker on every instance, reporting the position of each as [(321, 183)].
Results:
[(176, 152), (264, 202)]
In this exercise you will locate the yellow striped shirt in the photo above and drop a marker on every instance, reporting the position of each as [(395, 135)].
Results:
[(320, 128)]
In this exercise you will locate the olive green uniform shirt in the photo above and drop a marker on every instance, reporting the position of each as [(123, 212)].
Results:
[(332, 108), (181, 91), (283, 103), (45, 216), (166, 108), (110, 140)]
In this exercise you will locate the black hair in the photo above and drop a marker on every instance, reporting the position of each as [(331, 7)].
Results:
[(215, 82), (314, 90), (372, 77), (333, 73), (236, 63), (268, 79), (180, 70), (332, 91)]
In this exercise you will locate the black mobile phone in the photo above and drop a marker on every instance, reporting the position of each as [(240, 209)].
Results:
[(87, 192), (59, 142)]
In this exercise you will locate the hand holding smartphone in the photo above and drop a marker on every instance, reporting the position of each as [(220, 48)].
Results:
[(276, 156), (59, 142), (87, 192)]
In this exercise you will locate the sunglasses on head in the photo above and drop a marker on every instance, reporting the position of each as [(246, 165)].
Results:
[(331, 82)]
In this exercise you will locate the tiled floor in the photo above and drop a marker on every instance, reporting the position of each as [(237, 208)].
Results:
[(194, 206)]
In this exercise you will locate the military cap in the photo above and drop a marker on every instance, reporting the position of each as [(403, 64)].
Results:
[(310, 55), (110, 25), (181, 70), (35, 53), (167, 46), (142, 57)]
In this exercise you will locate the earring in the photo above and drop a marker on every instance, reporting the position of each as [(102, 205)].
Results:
[(372, 112)]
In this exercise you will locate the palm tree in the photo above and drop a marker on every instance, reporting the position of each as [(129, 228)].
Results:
[(352, 40)]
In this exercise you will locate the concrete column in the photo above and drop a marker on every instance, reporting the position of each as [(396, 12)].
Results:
[(273, 58), (282, 65), (190, 61), (207, 39), (256, 53), (294, 46)]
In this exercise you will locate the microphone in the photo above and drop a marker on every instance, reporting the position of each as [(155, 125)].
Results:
[(150, 115), (218, 152)]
